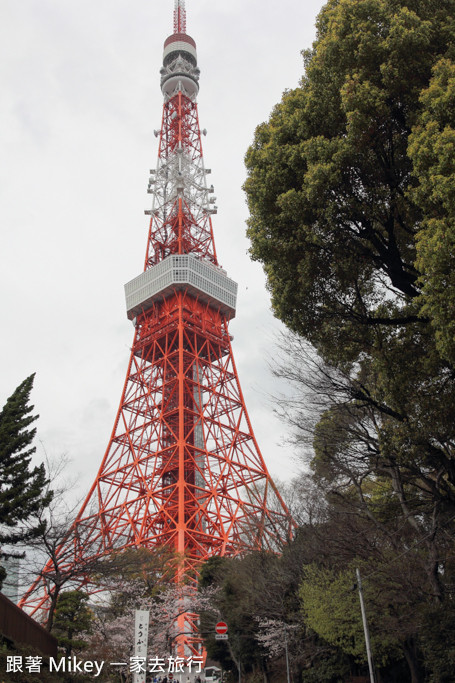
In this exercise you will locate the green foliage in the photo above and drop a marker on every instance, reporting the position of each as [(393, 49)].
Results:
[(22, 488), (438, 645), (240, 601), (354, 231), (330, 667), (154, 569), (328, 173), (72, 621), (432, 150), (212, 571), (331, 607), (351, 195), (309, 588)]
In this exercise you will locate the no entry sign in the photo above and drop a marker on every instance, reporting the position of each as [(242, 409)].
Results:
[(221, 627)]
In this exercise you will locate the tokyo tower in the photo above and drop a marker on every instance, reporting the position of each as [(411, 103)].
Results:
[(182, 468)]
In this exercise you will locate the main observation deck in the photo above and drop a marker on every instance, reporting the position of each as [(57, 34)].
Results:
[(187, 272)]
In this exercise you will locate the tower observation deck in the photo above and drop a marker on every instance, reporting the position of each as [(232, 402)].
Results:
[(182, 468)]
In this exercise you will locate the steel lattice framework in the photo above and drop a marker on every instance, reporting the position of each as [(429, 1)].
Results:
[(182, 468)]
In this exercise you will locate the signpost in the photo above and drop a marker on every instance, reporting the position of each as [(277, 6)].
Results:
[(141, 629), (221, 631)]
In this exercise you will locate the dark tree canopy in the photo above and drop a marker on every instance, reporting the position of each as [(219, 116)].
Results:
[(351, 191), (334, 219), (352, 216), (22, 487), (431, 149), (73, 621)]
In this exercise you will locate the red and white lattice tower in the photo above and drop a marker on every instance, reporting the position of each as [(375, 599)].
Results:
[(182, 468)]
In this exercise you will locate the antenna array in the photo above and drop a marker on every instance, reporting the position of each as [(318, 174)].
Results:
[(179, 17)]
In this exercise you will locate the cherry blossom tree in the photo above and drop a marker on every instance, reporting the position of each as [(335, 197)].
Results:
[(115, 616)]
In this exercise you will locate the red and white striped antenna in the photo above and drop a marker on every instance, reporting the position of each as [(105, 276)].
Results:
[(179, 17)]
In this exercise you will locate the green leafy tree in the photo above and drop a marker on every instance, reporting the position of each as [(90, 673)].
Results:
[(331, 608), (242, 582), (431, 148), (380, 505), (258, 598), (212, 575), (438, 645), (337, 214), (72, 621), (23, 488), (351, 209), (328, 174)]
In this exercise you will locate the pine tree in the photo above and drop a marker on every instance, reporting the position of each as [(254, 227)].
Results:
[(73, 621), (22, 488)]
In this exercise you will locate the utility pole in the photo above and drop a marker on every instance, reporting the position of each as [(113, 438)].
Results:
[(365, 626), (287, 654)]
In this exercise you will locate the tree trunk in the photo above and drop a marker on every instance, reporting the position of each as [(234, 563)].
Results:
[(410, 653), (52, 606)]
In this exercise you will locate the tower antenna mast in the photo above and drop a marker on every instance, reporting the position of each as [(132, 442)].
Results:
[(179, 16)]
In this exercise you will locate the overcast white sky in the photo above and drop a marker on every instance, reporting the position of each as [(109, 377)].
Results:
[(80, 97)]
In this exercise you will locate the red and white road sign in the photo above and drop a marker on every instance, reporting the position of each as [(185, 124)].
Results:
[(221, 627)]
